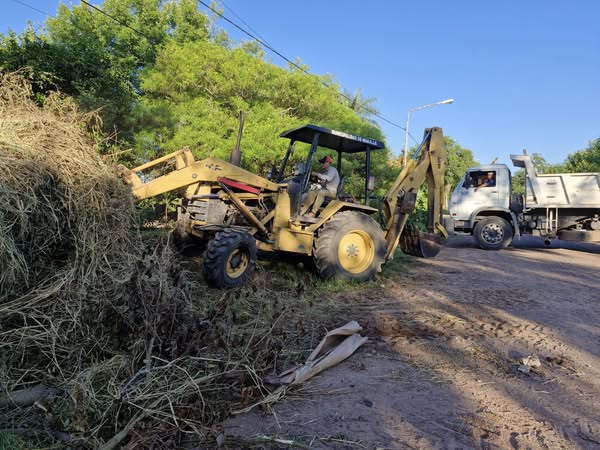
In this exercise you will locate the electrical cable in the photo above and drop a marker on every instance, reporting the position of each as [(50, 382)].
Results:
[(119, 22), (264, 44), (242, 20), (254, 36), (31, 7)]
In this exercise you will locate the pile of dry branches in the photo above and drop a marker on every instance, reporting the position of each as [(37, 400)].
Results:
[(106, 340)]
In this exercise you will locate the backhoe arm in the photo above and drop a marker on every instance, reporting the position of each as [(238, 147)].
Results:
[(429, 164)]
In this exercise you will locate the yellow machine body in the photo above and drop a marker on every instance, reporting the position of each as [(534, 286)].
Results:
[(237, 212)]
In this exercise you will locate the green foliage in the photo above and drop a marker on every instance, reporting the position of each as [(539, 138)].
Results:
[(419, 217), (97, 59), (181, 81), (195, 91), (459, 160), (32, 54), (586, 160), (164, 76), (518, 182), (364, 106), (169, 202)]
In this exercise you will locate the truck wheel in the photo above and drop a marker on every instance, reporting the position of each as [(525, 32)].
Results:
[(350, 246), (493, 233), (230, 258)]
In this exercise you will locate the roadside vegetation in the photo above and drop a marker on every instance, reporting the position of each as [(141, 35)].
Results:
[(107, 335)]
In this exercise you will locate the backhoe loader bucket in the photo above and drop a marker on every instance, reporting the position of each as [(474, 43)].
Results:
[(417, 243)]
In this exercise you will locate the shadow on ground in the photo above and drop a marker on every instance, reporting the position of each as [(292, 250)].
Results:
[(442, 367)]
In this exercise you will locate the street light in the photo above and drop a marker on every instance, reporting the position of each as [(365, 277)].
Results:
[(405, 156)]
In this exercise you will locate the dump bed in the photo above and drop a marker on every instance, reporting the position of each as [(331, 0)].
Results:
[(558, 190)]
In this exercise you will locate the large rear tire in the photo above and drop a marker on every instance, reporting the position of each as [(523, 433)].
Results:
[(493, 233), (230, 258), (350, 246)]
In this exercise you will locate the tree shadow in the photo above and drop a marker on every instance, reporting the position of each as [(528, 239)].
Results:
[(443, 367)]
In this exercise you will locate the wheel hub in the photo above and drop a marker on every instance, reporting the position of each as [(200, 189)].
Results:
[(493, 233), (237, 263), (356, 251), (352, 251), (235, 260)]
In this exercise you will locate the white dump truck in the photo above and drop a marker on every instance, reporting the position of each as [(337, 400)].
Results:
[(564, 206)]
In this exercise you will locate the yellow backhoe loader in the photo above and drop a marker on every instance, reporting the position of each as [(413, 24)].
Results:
[(235, 213)]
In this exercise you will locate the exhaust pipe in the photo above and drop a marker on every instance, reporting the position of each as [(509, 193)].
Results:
[(236, 154)]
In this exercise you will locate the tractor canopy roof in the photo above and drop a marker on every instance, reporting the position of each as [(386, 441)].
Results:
[(335, 140)]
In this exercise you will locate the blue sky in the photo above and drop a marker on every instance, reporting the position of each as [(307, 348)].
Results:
[(523, 74)]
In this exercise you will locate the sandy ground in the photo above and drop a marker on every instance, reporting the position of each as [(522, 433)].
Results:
[(440, 369)]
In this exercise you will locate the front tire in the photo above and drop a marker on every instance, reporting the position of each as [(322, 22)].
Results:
[(230, 258), (493, 233), (350, 246)]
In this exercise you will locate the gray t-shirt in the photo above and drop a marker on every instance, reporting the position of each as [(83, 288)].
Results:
[(332, 179)]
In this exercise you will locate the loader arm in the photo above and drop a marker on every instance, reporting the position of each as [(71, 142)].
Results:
[(188, 173), (428, 164)]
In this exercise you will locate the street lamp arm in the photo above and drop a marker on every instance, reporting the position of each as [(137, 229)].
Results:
[(405, 154), (444, 102)]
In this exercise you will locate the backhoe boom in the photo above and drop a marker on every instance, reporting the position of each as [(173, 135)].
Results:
[(428, 164)]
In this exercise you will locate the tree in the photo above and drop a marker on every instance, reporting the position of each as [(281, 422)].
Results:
[(195, 91), (459, 160), (164, 76), (586, 160), (34, 56), (97, 54), (364, 106)]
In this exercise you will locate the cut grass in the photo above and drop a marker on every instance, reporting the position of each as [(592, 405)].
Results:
[(399, 264), (11, 441)]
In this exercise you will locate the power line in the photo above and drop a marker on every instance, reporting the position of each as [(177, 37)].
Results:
[(263, 43), (257, 38), (31, 7), (242, 20), (119, 21), (97, 9)]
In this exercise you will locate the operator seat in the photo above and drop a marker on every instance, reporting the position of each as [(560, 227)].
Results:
[(340, 188), (339, 194)]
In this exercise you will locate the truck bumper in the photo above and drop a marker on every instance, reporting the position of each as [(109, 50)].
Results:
[(448, 223)]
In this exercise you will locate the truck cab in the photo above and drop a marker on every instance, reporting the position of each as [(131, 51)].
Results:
[(564, 206), (475, 196), (481, 203)]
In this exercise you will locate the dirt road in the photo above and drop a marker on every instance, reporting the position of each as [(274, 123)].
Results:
[(442, 367)]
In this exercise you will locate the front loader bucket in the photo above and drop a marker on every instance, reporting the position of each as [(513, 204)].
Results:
[(415, 242)]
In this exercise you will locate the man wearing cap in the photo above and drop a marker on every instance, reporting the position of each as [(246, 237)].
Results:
[(330, 178), (489, 181)]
